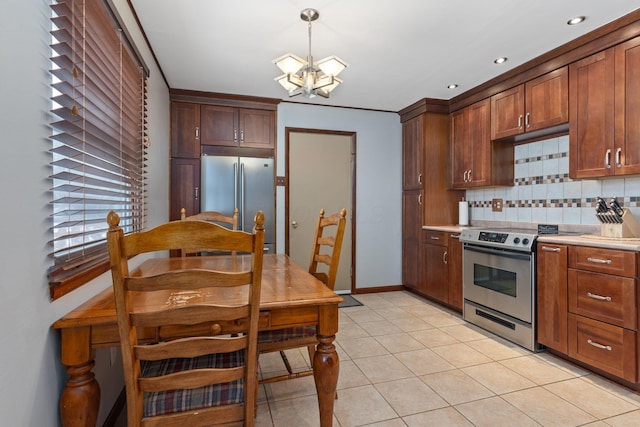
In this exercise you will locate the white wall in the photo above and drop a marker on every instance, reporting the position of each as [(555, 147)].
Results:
[(378, 221), (31, 376)]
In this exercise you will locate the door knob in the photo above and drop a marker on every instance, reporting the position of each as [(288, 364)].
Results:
[(294, 224)]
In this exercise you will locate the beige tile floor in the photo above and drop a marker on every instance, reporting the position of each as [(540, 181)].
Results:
[(407, 362)]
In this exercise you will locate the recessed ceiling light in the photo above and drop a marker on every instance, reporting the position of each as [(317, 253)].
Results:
[(500, 60), (576, 20), (452, 86)]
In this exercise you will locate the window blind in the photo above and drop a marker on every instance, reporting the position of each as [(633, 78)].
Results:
[(98, 141)]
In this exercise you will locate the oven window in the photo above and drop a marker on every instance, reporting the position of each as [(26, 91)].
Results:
[(495, 279)]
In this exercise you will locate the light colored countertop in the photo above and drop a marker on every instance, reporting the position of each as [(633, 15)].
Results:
[(594, 241), (447, 228), (575, 238)]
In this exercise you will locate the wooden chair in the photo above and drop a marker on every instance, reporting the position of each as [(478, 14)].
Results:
[(229, 221), (208, 377), (326, 251)]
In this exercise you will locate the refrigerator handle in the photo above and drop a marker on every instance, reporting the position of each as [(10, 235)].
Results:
[(235, 185), (242, 195)]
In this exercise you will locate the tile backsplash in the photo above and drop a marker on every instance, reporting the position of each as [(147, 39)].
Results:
[(543, 192)]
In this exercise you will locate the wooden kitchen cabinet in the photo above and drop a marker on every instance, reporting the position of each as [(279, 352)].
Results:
[(602, 306), (455, 271), (237, 127), (426, 198), (441, 268), (552, 296), (411, 229), (185, 187), (412, 143), (537, 104), (435, 270), (475, 160), (604, 133), (185, 130)]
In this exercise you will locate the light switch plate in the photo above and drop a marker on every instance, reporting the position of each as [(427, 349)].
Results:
[(496, 205)]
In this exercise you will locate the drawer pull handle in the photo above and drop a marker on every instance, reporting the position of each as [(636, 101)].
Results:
[(599, 261), (600, 346), (455, 236), (548, 249), (434, 238), (598, 297)]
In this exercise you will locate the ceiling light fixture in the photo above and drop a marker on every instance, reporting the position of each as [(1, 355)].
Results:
[(576, 20), (307, 78), (452, 86), (500, 60)]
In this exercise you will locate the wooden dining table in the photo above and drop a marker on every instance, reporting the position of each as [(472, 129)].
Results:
[(290, 296)]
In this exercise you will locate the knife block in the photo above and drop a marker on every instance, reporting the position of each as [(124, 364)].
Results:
[(629, 227)]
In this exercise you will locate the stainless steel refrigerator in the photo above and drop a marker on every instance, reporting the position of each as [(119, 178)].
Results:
[(246, 183)]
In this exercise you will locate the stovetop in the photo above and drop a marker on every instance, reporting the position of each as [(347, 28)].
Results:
[(518, 239)]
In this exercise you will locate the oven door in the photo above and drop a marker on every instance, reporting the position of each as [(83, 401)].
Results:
[(499, 279)]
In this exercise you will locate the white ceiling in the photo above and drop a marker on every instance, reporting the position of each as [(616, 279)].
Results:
[(398, 51)]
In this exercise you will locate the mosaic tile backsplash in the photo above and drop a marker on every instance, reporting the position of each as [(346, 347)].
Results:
[(543, 192)]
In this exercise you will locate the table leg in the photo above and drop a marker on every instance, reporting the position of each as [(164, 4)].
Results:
[(80, 399), (326, 365)]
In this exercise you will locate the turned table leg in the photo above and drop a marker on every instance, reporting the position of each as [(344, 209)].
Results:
[(326, 365), (80, 399)]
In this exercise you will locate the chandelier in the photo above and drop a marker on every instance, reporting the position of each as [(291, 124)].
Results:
[(307, 78)]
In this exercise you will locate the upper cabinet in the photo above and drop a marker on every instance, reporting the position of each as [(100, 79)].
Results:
[(541, 103), (412, 141), (185, 130), (237, 127), (604, 129), (476, 161)]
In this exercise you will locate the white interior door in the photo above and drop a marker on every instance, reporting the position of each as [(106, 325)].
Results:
[(320, 177)]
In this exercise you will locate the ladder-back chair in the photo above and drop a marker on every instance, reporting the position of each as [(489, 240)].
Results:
[(325, 257), (195, 372)]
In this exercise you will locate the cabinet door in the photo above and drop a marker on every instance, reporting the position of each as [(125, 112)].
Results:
[(455, 270), (552, 299), (627, 110), (185, 187), (479, 139), (591, 113), (507, 113), (257, 128), (412, 137), (185, 130), (435, 274), (219, 125), (547, 100), (460, 155), (411, 228)]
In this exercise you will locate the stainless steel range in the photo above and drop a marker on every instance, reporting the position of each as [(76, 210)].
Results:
[(499, 282)]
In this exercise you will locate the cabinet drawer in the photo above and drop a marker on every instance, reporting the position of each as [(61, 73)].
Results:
[(435, 237), (606, 347), (621, 263), (611, 299)]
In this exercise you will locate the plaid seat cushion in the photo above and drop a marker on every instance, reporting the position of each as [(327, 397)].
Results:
[(286, 334), (166, 402)]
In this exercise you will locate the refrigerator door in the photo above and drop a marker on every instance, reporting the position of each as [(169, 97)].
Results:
[(218, 175), (257, 193)]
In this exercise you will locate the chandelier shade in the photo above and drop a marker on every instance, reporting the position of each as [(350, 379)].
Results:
[(307, 78)]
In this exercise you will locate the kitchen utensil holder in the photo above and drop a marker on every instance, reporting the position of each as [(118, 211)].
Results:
[(630, 227)]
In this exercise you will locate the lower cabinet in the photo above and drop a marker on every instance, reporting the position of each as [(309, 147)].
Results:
[(588, 306), (441, 267)]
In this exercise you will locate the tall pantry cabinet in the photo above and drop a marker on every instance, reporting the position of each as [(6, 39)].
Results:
[(426, 199)]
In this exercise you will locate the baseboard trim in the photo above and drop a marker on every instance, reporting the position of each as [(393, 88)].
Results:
[(117, 409), (378, 289)]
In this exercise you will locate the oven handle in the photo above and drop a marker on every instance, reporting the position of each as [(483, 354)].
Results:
[(505, 254)]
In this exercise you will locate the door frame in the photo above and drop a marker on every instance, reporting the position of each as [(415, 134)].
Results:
[(351, 214)]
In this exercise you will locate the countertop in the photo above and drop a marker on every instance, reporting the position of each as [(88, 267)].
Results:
[(575, 238)]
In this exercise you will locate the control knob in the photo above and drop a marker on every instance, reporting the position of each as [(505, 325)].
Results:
[(525, 241), (516, 240)]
